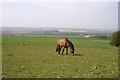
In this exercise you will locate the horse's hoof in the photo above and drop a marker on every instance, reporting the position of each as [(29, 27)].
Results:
[(72, 54)]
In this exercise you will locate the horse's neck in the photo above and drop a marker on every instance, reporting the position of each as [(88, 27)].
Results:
[(70, 44)]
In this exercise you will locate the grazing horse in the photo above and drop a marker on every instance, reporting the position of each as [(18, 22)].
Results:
[(65, 43)]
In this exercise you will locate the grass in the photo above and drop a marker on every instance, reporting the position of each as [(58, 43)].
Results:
[(35, 57), (43, 41)]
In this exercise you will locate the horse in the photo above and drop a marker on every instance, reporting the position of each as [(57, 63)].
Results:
[(65, 43)]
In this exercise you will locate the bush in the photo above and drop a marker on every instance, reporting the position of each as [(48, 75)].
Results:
[(115, 40)]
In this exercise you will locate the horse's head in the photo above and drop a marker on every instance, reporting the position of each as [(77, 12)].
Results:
[(72, 50)]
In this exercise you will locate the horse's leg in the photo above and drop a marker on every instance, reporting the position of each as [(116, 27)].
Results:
[(67, 50), (63, 50), (59, 50)]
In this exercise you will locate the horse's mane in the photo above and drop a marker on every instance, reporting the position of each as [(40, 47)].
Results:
[(71, 45)]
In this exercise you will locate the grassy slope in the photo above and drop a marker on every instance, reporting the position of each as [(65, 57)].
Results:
[(36, 57)]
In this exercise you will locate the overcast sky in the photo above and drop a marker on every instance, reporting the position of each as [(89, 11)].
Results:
[(60, 14)]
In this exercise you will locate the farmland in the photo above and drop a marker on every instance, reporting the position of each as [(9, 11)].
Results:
[(35, 57)]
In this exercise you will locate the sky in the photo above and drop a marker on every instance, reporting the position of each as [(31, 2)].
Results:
[(59, 14)]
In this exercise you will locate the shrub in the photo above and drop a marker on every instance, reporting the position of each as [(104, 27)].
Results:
[(115, 40)]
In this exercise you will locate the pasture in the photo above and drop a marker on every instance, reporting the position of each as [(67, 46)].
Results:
[(35, 57)]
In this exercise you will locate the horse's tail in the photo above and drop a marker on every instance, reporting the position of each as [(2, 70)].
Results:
[(57, 48)]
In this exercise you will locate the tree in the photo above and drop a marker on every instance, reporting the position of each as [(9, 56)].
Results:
[(115, 40)]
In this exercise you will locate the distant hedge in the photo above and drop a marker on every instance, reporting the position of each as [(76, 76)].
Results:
[(101, 36)]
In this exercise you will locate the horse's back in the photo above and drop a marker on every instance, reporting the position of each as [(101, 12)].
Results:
[(62, 42)]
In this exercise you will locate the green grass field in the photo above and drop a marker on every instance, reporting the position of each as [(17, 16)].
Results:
[(35, 57)]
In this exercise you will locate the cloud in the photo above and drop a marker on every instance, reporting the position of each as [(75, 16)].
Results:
[(62, 14)]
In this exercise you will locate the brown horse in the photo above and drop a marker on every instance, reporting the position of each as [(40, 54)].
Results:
[(65, 43)]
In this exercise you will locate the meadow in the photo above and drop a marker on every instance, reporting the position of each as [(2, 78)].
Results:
[(35, 57)]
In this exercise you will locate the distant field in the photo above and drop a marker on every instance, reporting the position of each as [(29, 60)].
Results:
[(35, 57), (72, 31)]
